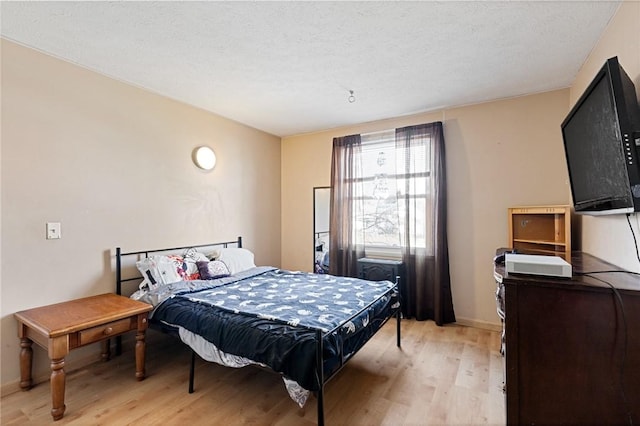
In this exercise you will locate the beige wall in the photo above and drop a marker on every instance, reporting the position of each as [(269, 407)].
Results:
[(499, 154), (609, 237), (112, 163)]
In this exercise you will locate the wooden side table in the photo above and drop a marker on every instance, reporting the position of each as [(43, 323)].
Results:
[(62, 327)]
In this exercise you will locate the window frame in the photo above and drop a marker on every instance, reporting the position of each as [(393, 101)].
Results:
[(368, 143)]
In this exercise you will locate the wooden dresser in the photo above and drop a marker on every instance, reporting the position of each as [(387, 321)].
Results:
[(571, 346)]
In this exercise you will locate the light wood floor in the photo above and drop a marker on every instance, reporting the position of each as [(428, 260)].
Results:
[(442, 375)]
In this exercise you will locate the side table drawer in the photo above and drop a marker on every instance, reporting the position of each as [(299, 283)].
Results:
[(100, 332)]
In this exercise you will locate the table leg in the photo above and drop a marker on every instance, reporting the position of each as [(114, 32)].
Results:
[(140, 347), (57, 388), (106, 350), (26, 362)]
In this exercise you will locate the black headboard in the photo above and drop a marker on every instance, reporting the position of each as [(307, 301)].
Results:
[(120, 255)]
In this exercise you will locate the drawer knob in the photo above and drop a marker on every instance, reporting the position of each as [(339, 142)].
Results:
[(108, 330)]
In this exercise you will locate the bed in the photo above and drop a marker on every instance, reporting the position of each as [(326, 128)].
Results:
[(301, 325)]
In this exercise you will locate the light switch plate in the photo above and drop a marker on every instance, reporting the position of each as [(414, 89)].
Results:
[(53, 231)]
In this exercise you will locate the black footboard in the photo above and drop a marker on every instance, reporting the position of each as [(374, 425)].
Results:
[(344, 358)]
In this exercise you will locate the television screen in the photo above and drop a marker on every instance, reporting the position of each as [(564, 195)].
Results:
[(599, 145)]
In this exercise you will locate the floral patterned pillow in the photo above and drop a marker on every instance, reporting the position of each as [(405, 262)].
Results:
[(157, 270), (212, 270)]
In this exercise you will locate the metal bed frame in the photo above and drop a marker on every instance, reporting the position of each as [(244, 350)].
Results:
[(319, 334)]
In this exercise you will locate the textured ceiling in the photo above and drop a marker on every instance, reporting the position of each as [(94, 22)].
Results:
[(287, 67)]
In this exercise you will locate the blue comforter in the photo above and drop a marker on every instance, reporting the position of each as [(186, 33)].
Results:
[(270, 316)]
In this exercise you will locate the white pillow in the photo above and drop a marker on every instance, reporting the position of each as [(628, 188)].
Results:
[(236, 259), (158, 270), (213, 254)]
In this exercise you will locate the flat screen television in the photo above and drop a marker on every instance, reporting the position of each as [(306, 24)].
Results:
[(600, 137)]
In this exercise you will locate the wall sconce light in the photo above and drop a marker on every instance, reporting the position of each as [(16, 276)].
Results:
[(204, 158), (351, 97)]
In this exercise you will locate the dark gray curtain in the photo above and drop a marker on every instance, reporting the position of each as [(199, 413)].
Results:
[(428, 286), (345, 170), (421, 177)]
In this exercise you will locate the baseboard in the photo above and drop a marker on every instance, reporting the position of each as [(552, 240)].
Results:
[(485, 325)]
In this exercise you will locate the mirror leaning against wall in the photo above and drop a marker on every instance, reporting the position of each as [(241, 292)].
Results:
[(321, 207)]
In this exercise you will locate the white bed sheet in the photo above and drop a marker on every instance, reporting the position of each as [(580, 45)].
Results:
[(209, 352)]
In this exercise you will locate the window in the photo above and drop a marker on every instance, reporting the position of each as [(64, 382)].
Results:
[(393, 184), (389, 198)]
